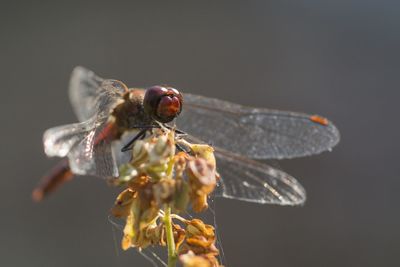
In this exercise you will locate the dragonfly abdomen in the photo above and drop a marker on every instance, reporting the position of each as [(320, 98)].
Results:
[(60, 174)]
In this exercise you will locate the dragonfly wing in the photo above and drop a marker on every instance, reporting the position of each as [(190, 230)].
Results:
[(80, 143), (254, 132), (91, 95), (253, 181), (93, 99), (93, 157), (58, 141)]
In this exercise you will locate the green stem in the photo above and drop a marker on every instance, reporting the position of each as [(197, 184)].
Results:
[(170, 237)]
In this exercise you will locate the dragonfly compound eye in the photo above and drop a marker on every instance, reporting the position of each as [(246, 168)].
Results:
[(163, 103)]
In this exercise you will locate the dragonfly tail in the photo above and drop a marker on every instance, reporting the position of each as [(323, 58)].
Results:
[(57, 176)]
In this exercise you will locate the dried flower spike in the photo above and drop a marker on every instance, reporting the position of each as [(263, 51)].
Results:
[(159, 180)]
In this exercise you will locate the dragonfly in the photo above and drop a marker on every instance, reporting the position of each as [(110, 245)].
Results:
[(242, 137)]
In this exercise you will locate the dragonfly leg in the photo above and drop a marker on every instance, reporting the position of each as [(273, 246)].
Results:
[(142, 134), (129, 145), (182, 148)]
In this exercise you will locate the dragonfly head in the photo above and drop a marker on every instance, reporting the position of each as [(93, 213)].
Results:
[(162, 103)]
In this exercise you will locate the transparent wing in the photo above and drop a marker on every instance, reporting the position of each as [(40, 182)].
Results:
[(253, 132), (91, 95), (58, 141), (90, 156), (81, 142), (93, 100), (253, 181)]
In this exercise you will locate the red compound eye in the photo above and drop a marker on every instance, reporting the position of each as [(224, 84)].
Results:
[(163, 103)]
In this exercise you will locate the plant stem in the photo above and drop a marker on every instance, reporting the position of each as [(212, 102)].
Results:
[(170, 237)]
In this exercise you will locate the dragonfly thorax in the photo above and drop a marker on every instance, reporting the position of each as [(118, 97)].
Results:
[(130, 112)]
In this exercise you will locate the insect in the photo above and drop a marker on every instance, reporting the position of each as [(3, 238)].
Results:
[(108, 111)]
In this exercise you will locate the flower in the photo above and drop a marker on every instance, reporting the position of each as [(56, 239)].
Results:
[(150, 157), (202, 181), (157, 179), (164, 191), (123, 203), (192, 260), (200, 238)]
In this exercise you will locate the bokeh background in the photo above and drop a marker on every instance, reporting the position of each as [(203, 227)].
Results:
[(339, 59)]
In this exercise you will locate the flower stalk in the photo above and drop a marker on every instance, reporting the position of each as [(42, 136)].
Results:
[(170, 237)]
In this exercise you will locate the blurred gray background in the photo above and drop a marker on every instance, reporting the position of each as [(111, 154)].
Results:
[(339, 59)]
